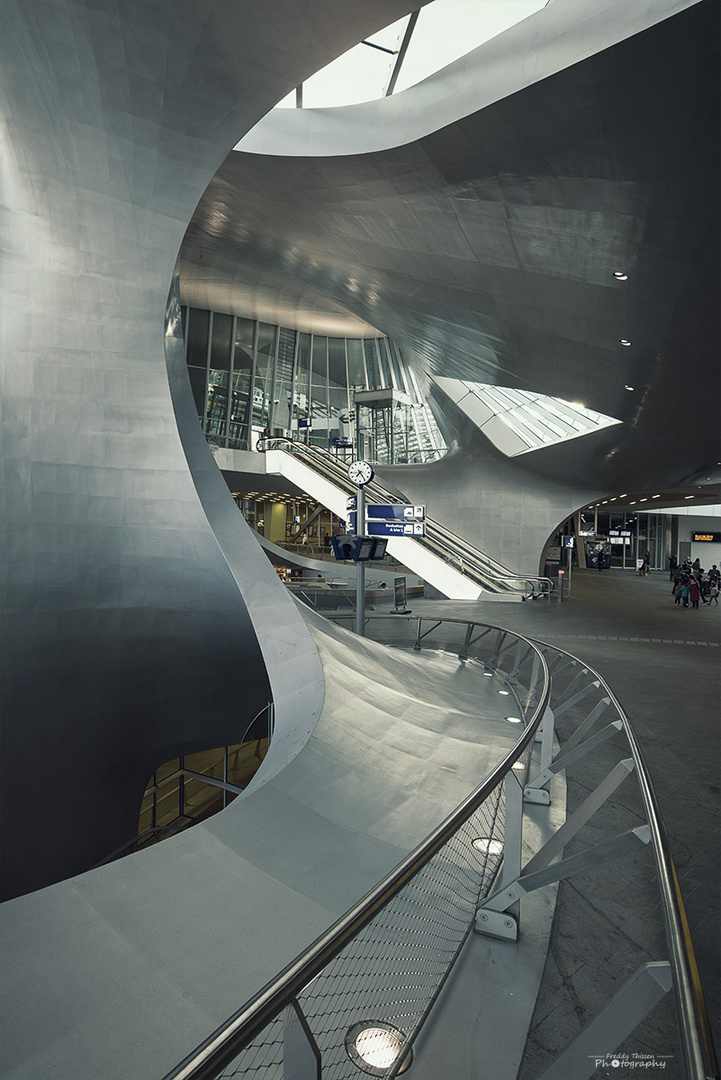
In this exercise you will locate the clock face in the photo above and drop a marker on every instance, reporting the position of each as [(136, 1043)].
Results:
[(360, 472)]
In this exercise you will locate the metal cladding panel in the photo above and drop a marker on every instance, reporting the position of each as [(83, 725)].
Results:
[(128, 578), (478, 219)]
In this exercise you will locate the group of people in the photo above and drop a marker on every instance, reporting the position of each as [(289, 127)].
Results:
[(690, 585)]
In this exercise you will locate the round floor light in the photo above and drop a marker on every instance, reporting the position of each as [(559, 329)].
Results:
[(374, 1045), (486, 846)]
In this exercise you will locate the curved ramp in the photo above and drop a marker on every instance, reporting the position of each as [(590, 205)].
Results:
[(166, 943)]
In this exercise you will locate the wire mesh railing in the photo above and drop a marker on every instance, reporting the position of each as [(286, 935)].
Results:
[(366, 987), (356, 1001)]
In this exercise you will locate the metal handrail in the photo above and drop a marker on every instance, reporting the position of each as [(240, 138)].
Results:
[(696, 1038), (220, 1048), (440, 540)]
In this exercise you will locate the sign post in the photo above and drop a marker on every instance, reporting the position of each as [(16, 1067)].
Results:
[(568, 544), (360, 581)]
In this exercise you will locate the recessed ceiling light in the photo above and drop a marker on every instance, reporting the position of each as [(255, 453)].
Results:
[(620, 276), (632, 504), (655, 496), (625, 341), (623, 496), (644, 500), (689, 496), (627, 387)]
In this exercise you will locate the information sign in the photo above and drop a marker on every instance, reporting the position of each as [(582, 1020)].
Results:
[(400, 595), (398, 511), (396, 528), (706, 537)]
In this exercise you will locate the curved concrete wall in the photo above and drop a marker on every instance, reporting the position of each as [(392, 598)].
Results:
[(502, 506), (125, 635)]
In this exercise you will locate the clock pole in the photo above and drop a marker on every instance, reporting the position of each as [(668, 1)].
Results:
[(360, 599)]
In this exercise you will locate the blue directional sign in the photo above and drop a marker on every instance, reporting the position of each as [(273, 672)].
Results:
[(396, 528), (396, 511)]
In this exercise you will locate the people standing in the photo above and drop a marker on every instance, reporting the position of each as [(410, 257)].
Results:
[(694, 592), (713, 593), (685, 591), (673, 563)]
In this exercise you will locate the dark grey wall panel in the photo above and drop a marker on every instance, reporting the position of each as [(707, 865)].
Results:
[(125, 636)]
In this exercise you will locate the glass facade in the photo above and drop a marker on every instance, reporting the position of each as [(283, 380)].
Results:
[(250, 378), (630, 534)]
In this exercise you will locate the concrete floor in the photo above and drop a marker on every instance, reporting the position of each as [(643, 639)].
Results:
[(663, 664)]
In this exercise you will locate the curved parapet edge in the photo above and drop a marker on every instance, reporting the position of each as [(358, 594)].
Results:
[(554, 38)]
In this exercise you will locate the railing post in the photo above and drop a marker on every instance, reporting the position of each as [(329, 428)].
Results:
[(301, 1056)]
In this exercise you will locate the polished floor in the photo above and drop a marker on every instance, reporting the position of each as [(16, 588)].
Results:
[(663, 664)]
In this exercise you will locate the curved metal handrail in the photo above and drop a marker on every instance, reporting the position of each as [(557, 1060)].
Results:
[(696, 1038), (441, 541), (220, 1048)]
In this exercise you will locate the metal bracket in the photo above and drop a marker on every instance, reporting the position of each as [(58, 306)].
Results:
[(496, 924), (470, 640), (575, 864), (583, 813), (566, 759), (537, 795)]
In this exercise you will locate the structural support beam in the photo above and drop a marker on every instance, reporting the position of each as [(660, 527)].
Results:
[(575, 864), (594, 1047)]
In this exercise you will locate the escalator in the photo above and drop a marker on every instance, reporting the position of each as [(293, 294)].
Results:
[(444, 559)]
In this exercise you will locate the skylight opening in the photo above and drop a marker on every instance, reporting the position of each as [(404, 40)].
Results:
[(529, 421), (443, 32)]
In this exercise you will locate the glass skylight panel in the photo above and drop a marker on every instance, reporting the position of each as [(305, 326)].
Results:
[(536, 419), (445, 31)]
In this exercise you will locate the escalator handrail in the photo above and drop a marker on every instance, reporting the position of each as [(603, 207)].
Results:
[(470, 562)]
